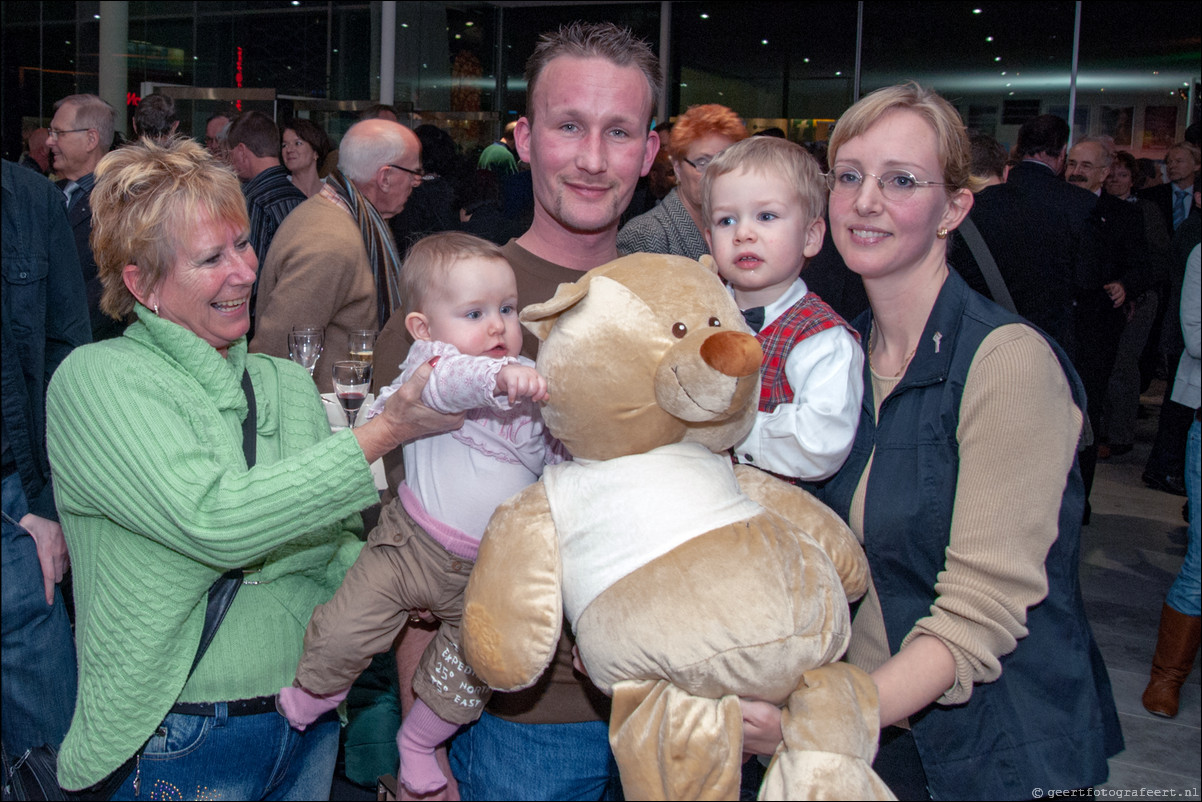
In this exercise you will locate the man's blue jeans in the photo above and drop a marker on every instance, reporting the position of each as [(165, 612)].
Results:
[(1185, 596), (235, 757), (37, 649), (498, 759)]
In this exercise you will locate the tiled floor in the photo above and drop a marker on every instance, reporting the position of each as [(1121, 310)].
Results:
[(1130, 554)]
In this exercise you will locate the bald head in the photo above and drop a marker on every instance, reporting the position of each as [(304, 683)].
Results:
[(384, 160)]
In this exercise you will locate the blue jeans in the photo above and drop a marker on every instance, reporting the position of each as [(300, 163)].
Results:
[(37, 649), (498, 759), (1185, 592), (235, 757)]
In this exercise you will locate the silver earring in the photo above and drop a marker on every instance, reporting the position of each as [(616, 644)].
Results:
[(156, 309)]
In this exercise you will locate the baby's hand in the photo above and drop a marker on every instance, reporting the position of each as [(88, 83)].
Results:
[(519, 381)]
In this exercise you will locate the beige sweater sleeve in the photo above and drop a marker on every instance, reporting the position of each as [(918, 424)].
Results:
[(1018, 434)]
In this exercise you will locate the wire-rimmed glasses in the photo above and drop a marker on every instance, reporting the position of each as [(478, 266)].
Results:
[(895, 185)]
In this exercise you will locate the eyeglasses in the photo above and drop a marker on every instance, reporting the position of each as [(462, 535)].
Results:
[(420, 176), (895, 185), (700, 164), (55, 133)]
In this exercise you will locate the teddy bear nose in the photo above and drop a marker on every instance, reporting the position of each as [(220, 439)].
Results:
[(732, 353)]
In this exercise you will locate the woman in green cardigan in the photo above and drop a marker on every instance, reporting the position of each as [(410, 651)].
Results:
[(157, 501)]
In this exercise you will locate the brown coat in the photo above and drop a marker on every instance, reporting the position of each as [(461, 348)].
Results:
[(316, 274)]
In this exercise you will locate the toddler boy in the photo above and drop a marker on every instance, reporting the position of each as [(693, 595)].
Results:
[(763, 202)]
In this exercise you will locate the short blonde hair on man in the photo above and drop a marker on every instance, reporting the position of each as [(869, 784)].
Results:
[(149, 197), (431, 259), (951, 138), (768, 155)]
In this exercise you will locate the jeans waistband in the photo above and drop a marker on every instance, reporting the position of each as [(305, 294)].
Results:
[(238, 707)]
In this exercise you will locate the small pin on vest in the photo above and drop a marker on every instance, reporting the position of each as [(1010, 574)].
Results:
[(936, 337)]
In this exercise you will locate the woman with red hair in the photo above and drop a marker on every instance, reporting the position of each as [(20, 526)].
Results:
[(675, 225)]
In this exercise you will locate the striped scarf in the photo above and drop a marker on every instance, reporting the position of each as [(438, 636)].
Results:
[(377, 237)]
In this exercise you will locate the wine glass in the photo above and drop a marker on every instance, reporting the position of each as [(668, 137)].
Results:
[(304, 346), (352, 380), (361, 344)]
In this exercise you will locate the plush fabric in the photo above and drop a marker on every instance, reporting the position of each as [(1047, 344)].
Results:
[(653, 376)]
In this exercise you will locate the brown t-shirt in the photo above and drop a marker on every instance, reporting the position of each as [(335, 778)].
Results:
[(561, 695)]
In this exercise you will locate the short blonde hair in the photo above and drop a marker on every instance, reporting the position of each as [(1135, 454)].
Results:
[(432, 257), (768, 155), (951, 138), (147, 199)]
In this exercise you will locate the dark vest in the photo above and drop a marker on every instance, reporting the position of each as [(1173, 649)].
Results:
[(803, 319), (1049, 720)]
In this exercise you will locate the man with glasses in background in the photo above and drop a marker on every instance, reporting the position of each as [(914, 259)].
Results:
[(333, 263), (81, 132)]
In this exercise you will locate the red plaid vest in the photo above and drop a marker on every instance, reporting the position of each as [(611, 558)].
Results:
[(807, 317)]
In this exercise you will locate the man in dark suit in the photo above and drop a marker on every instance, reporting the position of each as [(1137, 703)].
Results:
[(1118, 272), (1175, 198), (1034, 224), (80, 134)]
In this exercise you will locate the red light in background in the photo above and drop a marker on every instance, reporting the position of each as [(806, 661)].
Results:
[(238, 77), (132, 99)]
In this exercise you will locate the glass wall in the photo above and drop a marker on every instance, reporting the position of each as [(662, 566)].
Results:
[(790, 65)]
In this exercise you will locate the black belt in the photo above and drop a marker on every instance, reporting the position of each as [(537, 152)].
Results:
[(238, 707)]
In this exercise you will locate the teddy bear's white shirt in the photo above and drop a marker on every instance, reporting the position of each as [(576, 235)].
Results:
[(669, 496)]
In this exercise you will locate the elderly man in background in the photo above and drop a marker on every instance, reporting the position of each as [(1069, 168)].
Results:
[(1106, 278), (333, 263), (81, 132), (214, 141)]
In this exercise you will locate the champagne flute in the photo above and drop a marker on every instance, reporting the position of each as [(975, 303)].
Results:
[(352, 380), (361, 344), (304, 346)]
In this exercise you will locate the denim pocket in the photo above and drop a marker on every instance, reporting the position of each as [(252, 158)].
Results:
[(177, 736)]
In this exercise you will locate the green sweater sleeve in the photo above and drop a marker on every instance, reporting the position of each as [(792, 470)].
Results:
[(145, 451)]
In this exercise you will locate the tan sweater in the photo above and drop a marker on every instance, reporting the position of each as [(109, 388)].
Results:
[(316, 274), (1018, 434)]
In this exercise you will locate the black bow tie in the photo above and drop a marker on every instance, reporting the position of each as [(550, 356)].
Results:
[(754, 317)]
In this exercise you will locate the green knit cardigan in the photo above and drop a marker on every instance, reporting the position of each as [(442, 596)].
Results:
[(145, 441)]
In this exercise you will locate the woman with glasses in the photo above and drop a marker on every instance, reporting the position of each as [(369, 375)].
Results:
[(675, 225), (963, 486)]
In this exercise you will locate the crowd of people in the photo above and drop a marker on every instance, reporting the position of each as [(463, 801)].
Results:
[(160, 448)]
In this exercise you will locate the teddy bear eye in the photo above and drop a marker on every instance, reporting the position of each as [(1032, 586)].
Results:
[(679, 330), (715, 323)]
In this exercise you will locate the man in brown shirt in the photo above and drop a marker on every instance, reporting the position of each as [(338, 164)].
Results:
[(586, 135)]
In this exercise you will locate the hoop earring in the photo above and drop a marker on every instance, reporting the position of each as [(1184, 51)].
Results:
[(941, 233)]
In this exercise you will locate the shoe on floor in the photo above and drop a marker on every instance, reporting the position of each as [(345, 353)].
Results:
[(1165, 482)]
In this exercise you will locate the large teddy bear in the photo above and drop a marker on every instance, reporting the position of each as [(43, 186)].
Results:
[(688, 582)]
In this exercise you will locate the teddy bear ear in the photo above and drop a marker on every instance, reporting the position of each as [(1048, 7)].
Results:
[(539, 319), (708, 263)]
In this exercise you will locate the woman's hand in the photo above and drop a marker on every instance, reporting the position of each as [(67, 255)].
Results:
[(404, 418), (761, 727)]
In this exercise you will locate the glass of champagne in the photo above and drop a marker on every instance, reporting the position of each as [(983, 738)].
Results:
[(361, 343), (352, 380), (304, 346)]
